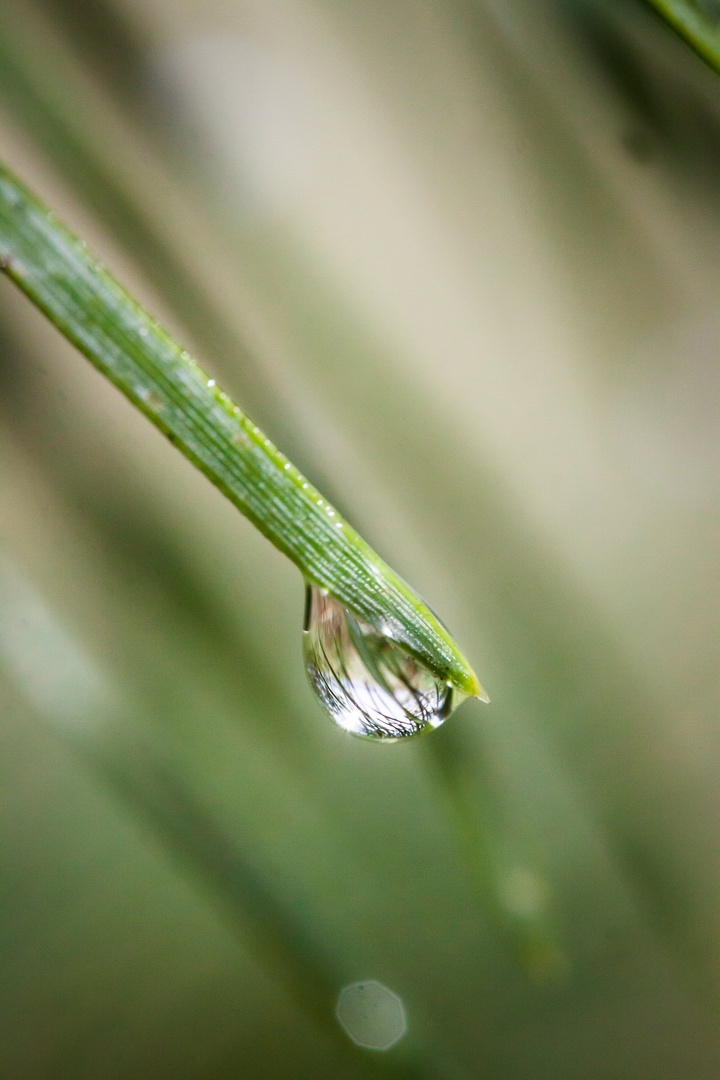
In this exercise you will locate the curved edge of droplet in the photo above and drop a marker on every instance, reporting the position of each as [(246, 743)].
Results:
[(459, 672)]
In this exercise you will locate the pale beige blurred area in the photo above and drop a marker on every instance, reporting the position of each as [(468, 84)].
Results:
[(462, 181), (469, 252)]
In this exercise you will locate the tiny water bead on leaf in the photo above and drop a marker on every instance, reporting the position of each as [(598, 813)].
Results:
[(368, 683)]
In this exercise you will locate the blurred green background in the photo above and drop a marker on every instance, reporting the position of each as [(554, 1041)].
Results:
[(460, 259)]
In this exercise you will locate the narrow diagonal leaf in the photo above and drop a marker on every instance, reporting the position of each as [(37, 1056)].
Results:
[(94, 312)]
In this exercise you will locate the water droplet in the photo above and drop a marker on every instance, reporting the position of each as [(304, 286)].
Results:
[(367, 682), (211, 383), (150, 398)]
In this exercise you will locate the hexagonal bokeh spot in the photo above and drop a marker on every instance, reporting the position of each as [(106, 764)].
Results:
[(371, 1014)]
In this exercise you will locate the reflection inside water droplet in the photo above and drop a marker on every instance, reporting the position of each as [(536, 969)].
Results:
[(369, 684)]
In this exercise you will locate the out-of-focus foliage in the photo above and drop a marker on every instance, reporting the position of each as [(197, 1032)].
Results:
[(462, 261)]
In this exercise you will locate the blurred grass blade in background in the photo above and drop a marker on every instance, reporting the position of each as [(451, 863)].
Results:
[(64, 688), (698, 22)]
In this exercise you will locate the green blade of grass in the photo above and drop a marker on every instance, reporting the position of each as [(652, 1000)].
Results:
[(94, 312)]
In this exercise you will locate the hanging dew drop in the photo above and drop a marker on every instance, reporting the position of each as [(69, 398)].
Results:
[(367, 682)]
